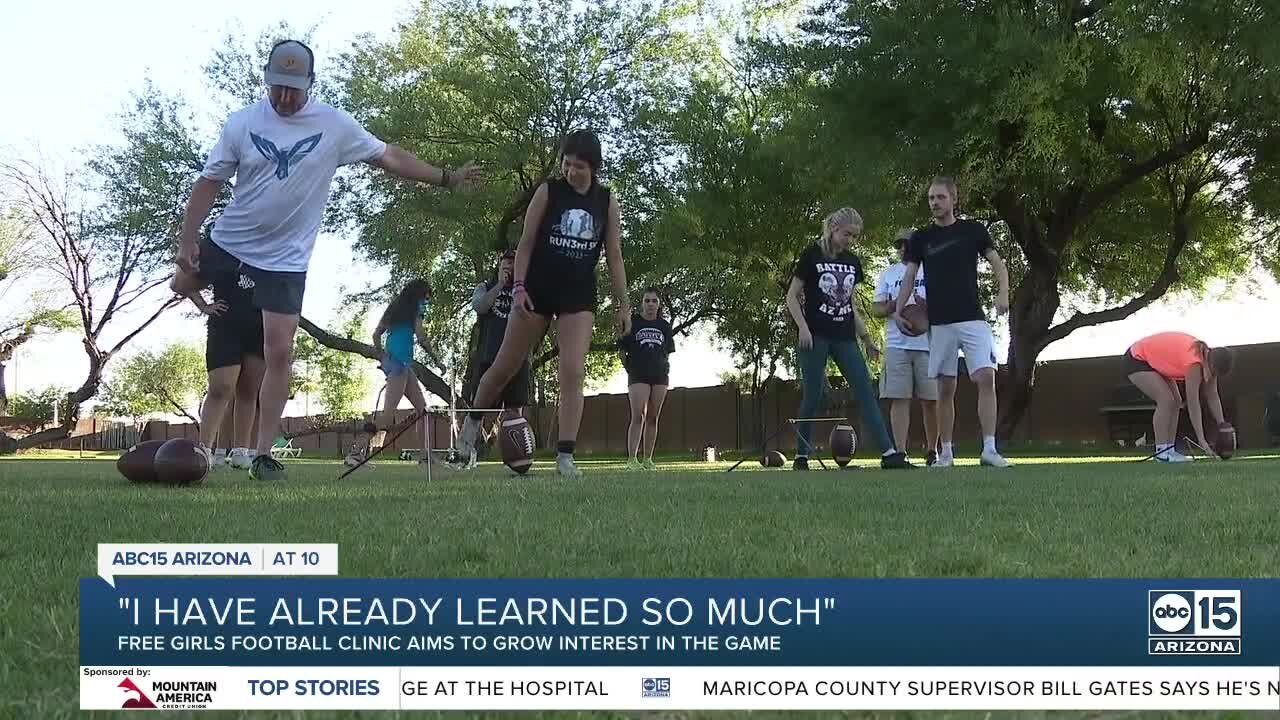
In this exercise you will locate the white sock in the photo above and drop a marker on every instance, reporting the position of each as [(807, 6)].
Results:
[(888, 452), (1163, 447), (946, 449), (989, 443)]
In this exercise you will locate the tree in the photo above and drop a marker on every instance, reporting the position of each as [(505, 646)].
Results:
[(28, 309), (36, 409), (502, 83), (169, 381), (108, 265), (337, 375), (1117, 150)]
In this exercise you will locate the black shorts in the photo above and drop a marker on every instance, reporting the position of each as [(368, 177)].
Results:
[(648, 376), (273, 291), (1134, 365), (231, 337), (553, 301), (514, 395)]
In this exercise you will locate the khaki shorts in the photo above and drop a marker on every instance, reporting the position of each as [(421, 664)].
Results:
[(906, 375)]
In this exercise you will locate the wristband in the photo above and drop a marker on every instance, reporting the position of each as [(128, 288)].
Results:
[(517, 286)]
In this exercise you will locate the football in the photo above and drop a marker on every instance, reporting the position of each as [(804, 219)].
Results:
[(179, 462), (1225, 442), (843, 443), (773, 458), (517, 442), (915, 318), (138, 463)]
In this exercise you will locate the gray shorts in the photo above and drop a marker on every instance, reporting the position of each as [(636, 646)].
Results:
[(947, 341), (273, 291), (906, 375)]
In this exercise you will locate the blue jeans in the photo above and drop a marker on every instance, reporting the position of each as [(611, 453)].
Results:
[(813, 371)]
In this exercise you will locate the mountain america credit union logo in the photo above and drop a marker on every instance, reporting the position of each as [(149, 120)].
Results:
[(1193, 622), (141, 701)]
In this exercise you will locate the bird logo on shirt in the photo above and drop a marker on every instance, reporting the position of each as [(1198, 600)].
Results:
[(285, 160)]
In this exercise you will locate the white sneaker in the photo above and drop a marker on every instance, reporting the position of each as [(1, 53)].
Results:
[(219, 458), (944, 461), (1172, 456), (208, 455), (566, 466), (240, 458), (991, 458)]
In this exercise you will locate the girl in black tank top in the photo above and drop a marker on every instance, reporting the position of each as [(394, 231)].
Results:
[(569, 222)]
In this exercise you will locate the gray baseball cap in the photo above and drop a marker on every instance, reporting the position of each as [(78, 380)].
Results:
[(291, 64)]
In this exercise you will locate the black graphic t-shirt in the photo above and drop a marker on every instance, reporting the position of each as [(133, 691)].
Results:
[(570, 238), (828, 291), (950, 257), (493, 323), (646, 348)]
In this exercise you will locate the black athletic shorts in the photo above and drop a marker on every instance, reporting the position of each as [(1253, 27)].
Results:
[(1134, 365), (232, 335), (514, 395), (648, 376), (273, 291), (554, 300)]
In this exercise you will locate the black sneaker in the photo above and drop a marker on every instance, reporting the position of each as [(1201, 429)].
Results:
[(266, 468), (801, 463), (895, 461), (933, 458)]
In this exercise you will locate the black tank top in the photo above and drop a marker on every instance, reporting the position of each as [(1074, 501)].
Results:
[(570, 238)]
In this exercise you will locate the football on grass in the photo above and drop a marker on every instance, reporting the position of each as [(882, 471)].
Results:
[(517, 443), (843, 443), (773, 458), (138, 463), (915, 318), (180, 462), (1225, 442)]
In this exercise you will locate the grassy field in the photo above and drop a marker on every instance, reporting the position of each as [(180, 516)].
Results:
[(1069, 516)]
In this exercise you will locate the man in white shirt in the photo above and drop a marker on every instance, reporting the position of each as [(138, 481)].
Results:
[(283, 152), (906, 359)]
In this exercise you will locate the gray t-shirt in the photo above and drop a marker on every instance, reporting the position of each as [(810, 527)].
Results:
[(283, 167)]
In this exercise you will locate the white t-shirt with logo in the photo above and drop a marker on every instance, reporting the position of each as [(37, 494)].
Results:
[(887, 288), (283, 167)]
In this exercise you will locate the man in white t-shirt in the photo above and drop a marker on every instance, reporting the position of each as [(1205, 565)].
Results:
[(283, 152), (906, 359)]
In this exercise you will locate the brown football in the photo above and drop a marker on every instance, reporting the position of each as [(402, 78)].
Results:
[(843, 443), (137, 464), (773, 458), (915, 318), (1225, 442), (179, 462), (517, 443)]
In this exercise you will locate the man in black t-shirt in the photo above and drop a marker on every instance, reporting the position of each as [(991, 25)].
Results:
[(949, 250), (492, 303)]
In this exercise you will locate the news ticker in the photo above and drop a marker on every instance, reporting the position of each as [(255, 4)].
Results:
[(684, 688)]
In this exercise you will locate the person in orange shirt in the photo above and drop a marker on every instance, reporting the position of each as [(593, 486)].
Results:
[(1156, 363)]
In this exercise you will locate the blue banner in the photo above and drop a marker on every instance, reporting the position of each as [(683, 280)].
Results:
[(678, 622)]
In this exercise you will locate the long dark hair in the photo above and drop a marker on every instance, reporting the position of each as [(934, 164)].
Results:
[(403, 310), (1217, 362), (584, 145)]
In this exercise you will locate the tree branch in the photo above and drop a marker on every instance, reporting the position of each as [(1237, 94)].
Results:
[(1085, 9), (1134, 172), (1165, 280)]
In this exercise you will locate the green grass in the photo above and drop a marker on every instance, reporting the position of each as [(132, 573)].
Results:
[(1047, 517)]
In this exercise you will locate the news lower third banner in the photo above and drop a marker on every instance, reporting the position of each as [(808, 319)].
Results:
[(312, 642)]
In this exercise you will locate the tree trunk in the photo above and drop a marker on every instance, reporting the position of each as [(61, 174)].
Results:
[(74, 400), (1035, 303)]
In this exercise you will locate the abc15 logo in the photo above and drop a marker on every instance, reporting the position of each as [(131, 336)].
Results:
[(1197, 613)]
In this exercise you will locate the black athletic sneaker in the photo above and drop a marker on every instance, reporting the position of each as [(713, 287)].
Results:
[(895, 461), (933, 458), (801, 463), (266, 468)]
